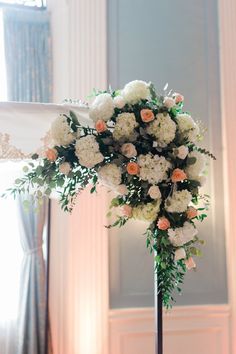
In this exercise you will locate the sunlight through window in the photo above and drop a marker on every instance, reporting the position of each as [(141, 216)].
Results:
[(3, 80), (10, 248)]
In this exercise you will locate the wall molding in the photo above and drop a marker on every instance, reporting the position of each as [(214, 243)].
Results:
[(79, 242), (227, 32), (132, 330)]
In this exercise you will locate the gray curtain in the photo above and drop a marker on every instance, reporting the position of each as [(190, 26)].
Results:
[(28, 55), (32, 319)]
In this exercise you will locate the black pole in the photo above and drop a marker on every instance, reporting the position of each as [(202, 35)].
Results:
[(158, 319), (47, 324)]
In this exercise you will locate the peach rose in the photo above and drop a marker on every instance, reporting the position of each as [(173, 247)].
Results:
[(132, 168), (163, 223), (191, 212), (178, 175), (100, 126), (51, 154), (147, 115), (190, 264), (129, 150), (127, 210), (178, 98)]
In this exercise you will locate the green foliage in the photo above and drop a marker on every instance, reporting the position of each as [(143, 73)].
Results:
[(170, 274)]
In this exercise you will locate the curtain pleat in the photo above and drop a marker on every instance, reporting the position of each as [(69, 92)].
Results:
[(32, 319), (27, 43)]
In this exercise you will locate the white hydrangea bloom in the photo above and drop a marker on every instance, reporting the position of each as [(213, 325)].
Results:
[(163, 128), (187, 127), (147, 212), (102, 107), (87, 151), (194, 170), (124, 127), (178, 202), (61, 132), (182, 235), (135, 91), (153, 168), (110, 175)]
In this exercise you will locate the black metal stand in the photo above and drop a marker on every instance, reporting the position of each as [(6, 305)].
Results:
[(159, 321)]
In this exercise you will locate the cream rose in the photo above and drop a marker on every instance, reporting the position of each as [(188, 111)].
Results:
[(154, 192), (128, 150)]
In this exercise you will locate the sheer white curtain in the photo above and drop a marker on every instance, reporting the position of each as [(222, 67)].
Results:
[(11, 256)]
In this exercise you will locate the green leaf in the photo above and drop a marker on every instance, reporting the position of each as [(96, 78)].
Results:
[(115, 202), (48, 191), (191, 160), (34, 156), (25, 169), (26, 204)]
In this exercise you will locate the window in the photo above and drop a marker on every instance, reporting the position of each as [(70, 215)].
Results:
[(37, 3), (3, 80)]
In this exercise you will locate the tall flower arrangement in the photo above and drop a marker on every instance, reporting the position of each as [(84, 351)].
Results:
[(143, 147)]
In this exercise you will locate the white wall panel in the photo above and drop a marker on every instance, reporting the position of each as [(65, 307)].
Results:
[(193, 329)]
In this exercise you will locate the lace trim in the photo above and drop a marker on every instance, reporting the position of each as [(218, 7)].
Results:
[(10, 152)]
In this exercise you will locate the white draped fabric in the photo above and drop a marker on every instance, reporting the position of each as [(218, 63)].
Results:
[(24, 127)]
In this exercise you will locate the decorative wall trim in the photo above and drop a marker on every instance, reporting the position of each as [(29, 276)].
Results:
[(227, 31), (204, 329)]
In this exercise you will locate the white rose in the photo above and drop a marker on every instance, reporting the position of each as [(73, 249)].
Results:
[(65, 168), (128, 150), (135, 91), (182, 152), (180, 254), (169, 102), (154, 192), (102, 107), (119, 102)]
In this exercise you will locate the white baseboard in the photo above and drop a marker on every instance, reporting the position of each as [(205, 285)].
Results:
[(187, 329)]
